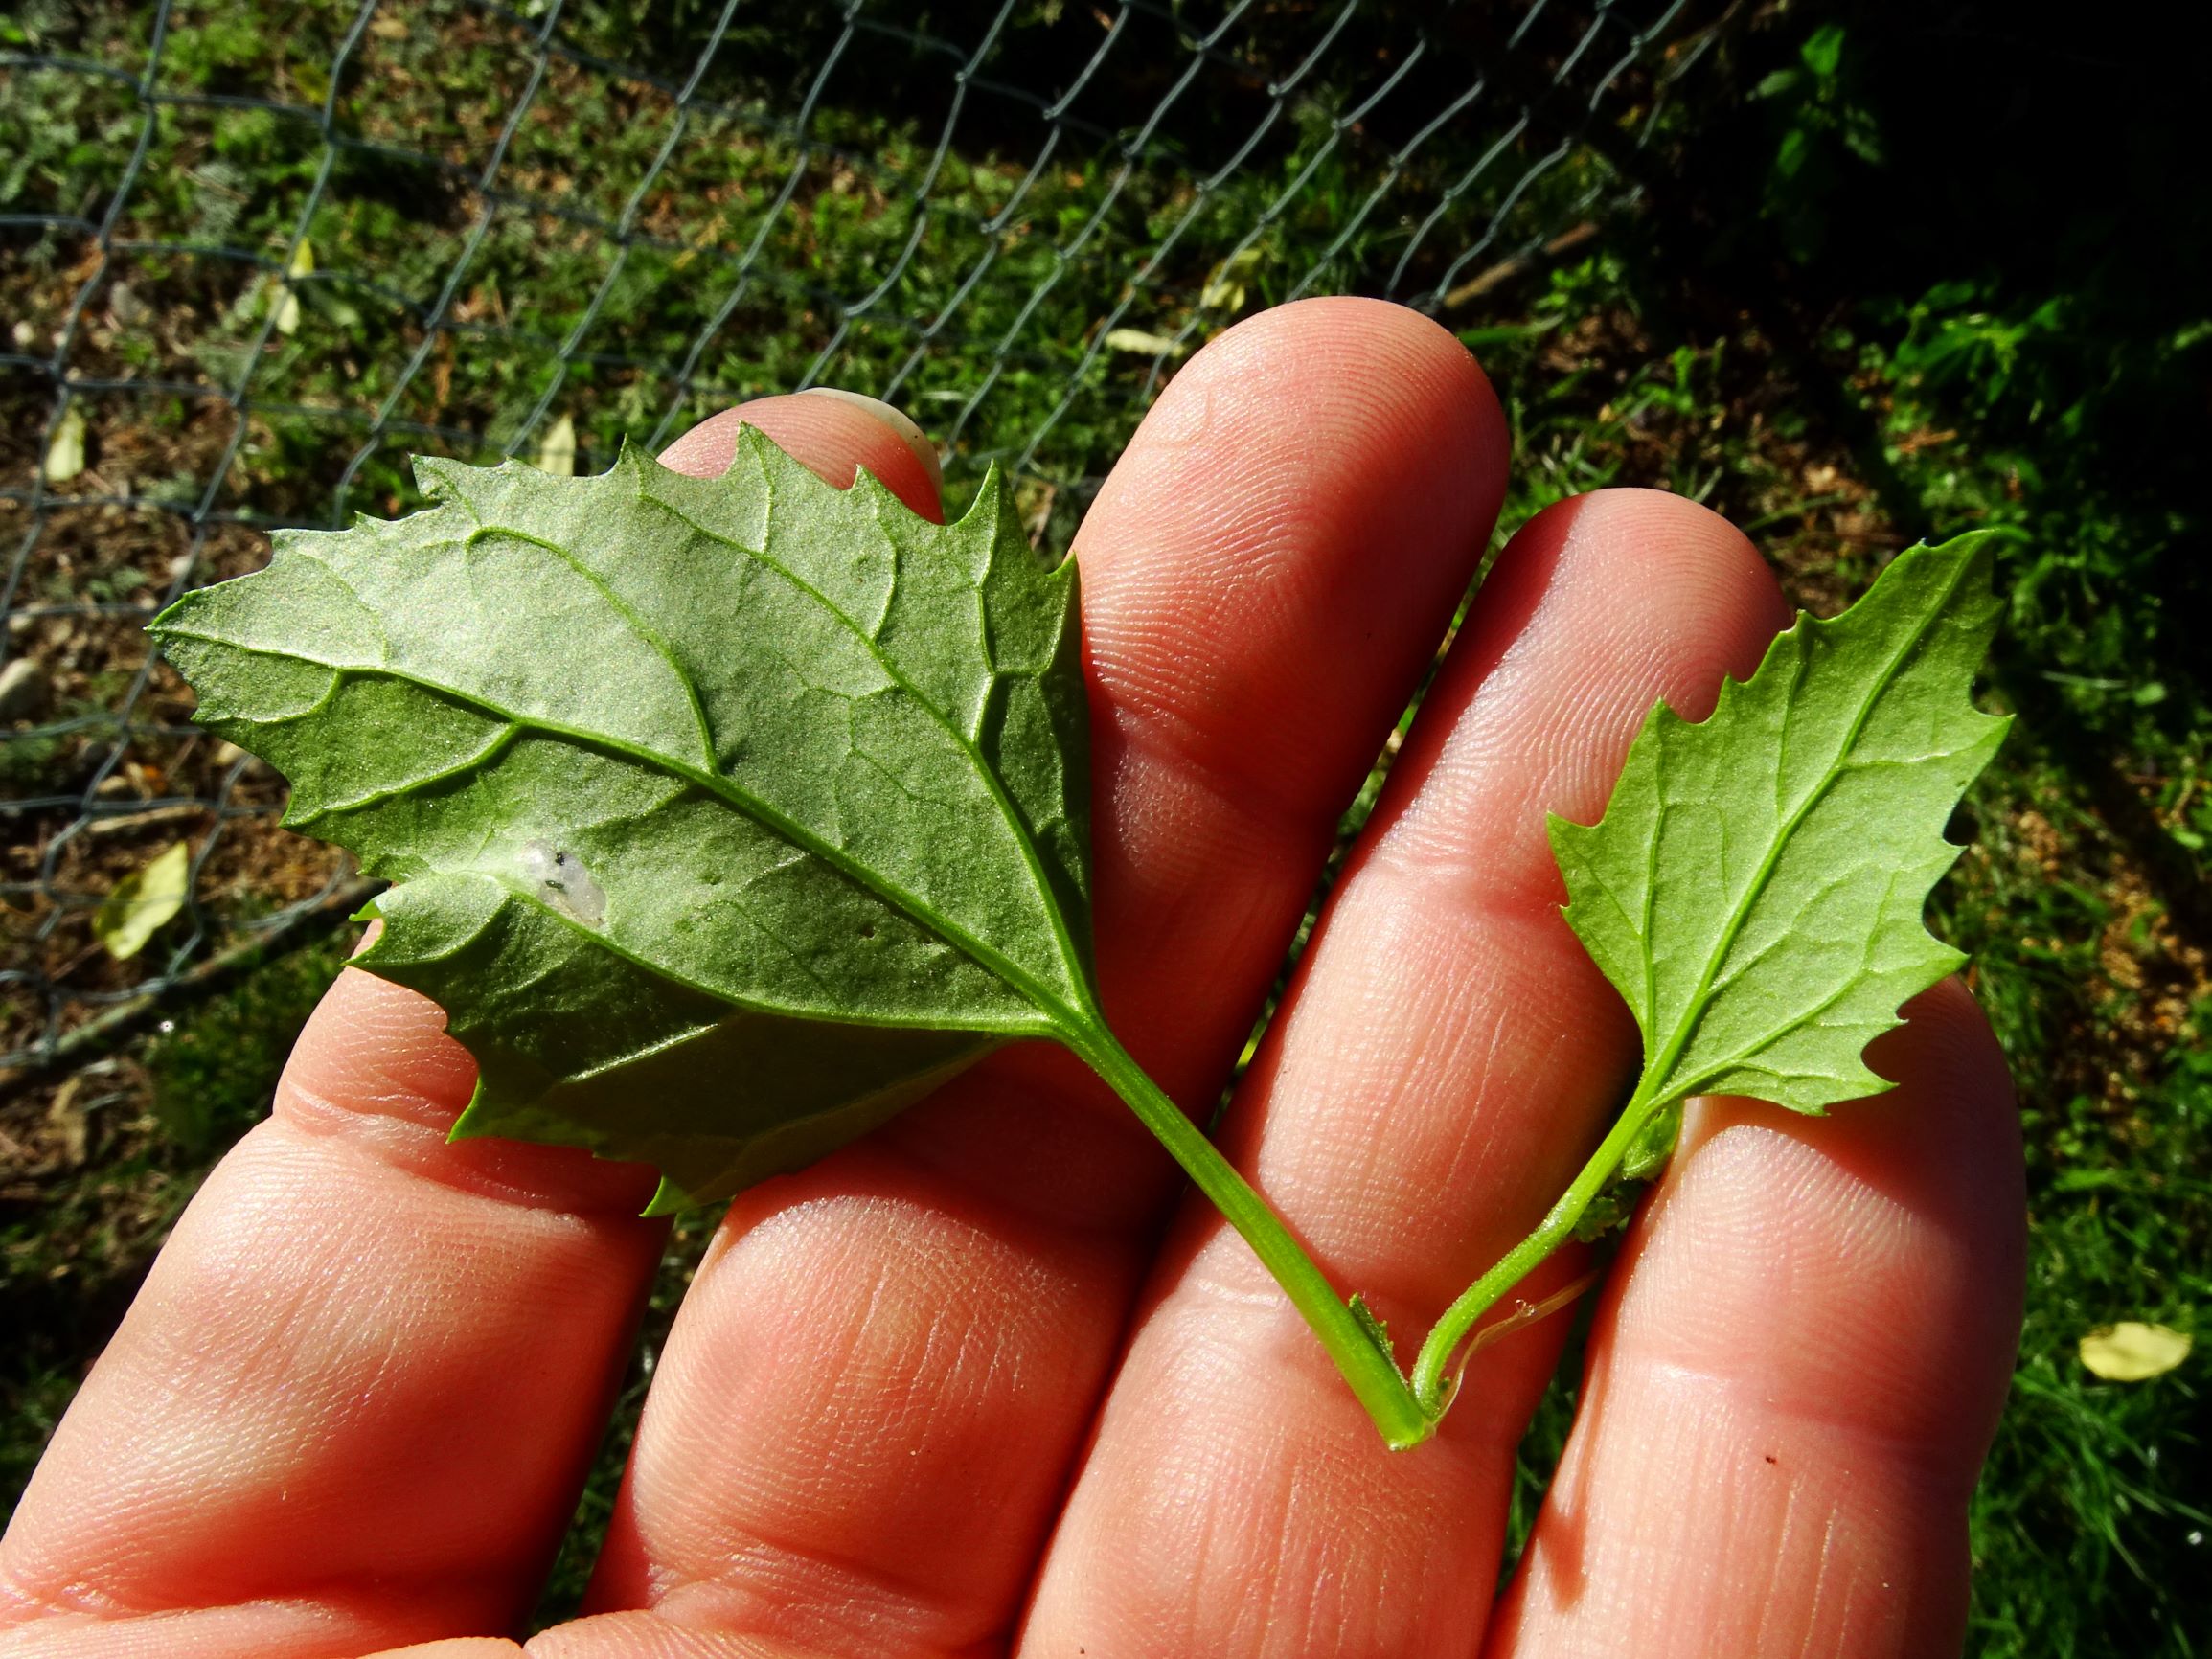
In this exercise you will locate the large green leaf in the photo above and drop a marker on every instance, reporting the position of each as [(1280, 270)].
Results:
[(727, 815), (1756, 885)]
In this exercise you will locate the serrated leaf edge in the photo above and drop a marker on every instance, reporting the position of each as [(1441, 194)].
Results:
[(1969, 554), (437, 476)]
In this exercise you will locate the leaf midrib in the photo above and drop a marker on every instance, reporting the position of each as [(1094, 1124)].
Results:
[(1700, 1003), (630, 613), (1057, 1011), (1039, 882), (1722, 1067)]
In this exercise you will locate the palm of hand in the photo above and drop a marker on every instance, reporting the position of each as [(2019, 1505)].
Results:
[(954, 1390)]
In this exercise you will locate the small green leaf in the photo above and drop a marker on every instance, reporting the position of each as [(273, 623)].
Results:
[(1610, 1211), (1615, 1205), (143, 903), (1654, 1144), (726, 815), (1755, 887)]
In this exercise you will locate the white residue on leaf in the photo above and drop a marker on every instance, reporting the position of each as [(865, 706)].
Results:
[(567, 885)]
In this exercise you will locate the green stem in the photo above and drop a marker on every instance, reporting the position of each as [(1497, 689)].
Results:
[(1433, 1383), (1405, 1411), (1373, 1374)]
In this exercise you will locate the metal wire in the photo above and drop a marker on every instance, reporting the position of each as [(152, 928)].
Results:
[(1014, 218)]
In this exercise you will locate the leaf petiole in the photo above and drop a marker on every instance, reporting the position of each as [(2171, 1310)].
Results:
[(1434, 1381), (1371, 1374), (1405, 1410)]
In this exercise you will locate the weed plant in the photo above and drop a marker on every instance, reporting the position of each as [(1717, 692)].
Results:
[(1873, 289)]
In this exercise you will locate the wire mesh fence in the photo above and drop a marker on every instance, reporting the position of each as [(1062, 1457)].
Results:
[(248, 271)]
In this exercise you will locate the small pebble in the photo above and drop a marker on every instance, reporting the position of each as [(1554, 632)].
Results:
[(22, 690)]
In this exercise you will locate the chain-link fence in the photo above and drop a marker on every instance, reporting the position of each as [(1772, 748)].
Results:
[(248, 271)]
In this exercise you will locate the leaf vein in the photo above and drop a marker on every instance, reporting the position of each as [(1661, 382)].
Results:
[(638, 624), (1030, 857), (1877, 685), (1049, 1002)]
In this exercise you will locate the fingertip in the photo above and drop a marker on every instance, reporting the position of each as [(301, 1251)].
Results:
[(1315, 486), (1947, 1141), (375, 1068), (1656, 576), (916, 439), (1599, 605), (369, 1040), (1659, 539), (832, 434), (1943, 1143), (1865, 1268), (1946, 1037), (1390, 384)]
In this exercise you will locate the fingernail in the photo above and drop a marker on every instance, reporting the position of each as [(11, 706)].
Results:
[(915, 440)]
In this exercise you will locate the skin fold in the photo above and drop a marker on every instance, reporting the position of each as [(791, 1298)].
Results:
[(986, 1382)]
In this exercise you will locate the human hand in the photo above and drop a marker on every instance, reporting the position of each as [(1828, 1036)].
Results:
[(979, 1382)]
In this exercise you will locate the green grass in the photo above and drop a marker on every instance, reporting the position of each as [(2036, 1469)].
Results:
[(741, 236), (2091, 1523)]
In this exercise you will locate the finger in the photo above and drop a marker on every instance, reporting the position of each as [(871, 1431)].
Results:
[(834, 433), (1812, 1331), (865, 1413), (1434, 1080), (354, 1402), (351, 1404)]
